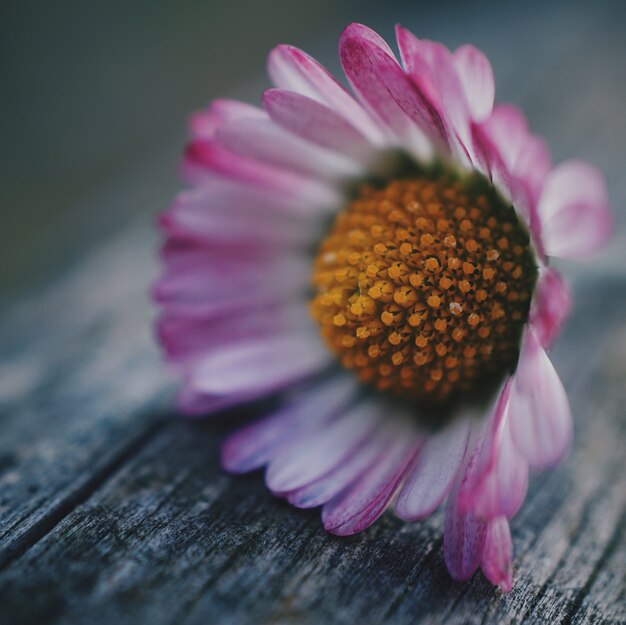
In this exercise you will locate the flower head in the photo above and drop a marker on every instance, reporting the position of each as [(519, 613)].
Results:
[(380, 261)]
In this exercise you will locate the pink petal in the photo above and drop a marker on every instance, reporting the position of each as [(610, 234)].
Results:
[(317, 123), (193, 403), (363, 502), (222, 215), (386, 91), (204, 124), (332, 483), (292, 69), (476, 75), (502, 490), (310, 411), (463, 540), (498, 554), (430, 477), (574, 211), (431, 67), (212, 158), (198, 274), (317, 454), (266, 364), (541, 421), (265, 141), (550, 306), (190, 338), (485, 450)]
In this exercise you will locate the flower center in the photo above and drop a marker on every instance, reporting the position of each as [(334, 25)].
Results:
[(423, 287)]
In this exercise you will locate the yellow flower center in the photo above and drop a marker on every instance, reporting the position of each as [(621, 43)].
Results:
[(423, 287)]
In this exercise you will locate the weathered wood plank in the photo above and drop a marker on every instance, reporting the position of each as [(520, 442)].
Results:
[(81, 387), (178, 541)]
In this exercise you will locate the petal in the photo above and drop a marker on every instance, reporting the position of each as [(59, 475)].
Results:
[(266, 364), (310, 410), (317, 123), (332, 483), (386, 91), (204, 124), (550, 306), (233, 215), (502, 489), (463, 540), (430, 477), (541, 421), (476, 75), (187, 339), (361, 504), (315, 455), (432, 69), (265, 141), (574, 211), (292, 69), (215, 160), (498, 554)]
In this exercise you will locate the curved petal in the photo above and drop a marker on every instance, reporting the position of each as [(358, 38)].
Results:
[(386, 91), (256, 444), (498, 554), (541, 421), (574, 211), (266, 364), (214, 160), (265, 141), (332, 483), (221, 215), (311, 457), (293, 70), (317, 123), (431, 475), (463, 540), (203, 124), (550, 306), (476, 75), (502, 490), (362, 503)]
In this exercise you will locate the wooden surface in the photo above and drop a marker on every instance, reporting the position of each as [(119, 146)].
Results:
[(114, 510)]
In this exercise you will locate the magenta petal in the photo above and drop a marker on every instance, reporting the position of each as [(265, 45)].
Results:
[(539, 412), (498, 554), (315, 455), (215, 160), (265, 141), (332, 483), (386, 91), (266, 364), (476, 76), (485, 451), (361, 504), (431, 475), (502, 490), (317, 123), (293, 70), (550, 306), (203, 124), (463, 540), (574, 211), (256, 444)]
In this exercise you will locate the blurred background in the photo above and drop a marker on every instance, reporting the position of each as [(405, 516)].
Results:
[(95, 94)]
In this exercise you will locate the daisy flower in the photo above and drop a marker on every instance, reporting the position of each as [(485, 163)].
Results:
[(378, 259)]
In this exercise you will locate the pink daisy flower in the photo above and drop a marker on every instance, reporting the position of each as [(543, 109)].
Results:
[(379, 261)]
